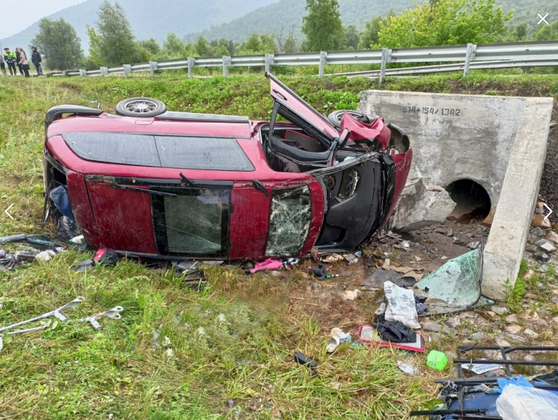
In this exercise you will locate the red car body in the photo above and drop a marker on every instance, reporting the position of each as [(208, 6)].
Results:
[(181, 185)]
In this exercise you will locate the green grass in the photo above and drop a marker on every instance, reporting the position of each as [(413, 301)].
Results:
[(232, 341)]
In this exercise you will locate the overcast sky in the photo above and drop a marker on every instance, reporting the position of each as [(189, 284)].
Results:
[(17, 15)]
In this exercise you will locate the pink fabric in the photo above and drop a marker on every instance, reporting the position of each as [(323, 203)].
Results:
[(269, 264)]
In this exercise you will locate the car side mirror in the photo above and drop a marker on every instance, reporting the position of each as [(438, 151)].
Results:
[(344, 138)]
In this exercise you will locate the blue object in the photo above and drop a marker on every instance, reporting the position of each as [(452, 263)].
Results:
[(59, 197), (519, 381)]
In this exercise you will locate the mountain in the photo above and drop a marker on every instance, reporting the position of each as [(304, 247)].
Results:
[(148, 18), (286, 15)]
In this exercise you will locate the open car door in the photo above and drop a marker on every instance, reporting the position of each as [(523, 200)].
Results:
[(292, 107)]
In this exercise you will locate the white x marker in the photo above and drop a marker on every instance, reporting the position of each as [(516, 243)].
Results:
[(542, 18)]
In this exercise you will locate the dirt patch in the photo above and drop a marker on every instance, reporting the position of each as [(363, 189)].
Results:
[(423, 250)]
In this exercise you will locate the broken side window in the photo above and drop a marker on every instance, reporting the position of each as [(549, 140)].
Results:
[(194, 223), (289, 222)]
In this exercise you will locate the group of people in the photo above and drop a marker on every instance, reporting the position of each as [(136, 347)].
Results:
[(19, 59)]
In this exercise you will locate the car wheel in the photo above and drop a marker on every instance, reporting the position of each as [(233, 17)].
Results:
[(335, 117), (140, 107)]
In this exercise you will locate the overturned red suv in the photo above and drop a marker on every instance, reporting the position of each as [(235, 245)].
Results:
[(153, 183)]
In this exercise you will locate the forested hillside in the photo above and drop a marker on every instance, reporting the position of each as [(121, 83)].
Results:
[(149, 19), (286, 15)]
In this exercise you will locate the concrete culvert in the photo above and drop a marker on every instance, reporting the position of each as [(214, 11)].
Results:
[(473, 202)]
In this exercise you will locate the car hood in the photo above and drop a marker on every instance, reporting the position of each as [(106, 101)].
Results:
[(296, 110)]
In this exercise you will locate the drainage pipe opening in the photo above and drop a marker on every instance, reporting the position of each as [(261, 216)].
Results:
[(473, 202)]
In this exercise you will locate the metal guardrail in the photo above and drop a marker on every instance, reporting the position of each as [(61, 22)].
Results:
[(469, 57)]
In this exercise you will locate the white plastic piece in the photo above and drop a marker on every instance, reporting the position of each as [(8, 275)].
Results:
[(523, 403)]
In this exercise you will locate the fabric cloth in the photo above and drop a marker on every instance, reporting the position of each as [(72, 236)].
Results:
[(269, 264), (396, 332)]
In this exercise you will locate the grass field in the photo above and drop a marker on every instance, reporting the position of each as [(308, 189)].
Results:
[(177, 353)]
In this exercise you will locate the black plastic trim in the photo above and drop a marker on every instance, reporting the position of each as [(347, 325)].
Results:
[(56, 112)]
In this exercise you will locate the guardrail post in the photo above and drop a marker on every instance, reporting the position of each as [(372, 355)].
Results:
[(82, 72), (152, 68), (226, 64), (323, 59), (469, 55), (269, 60), (63, 73), (127, 69), (386, 57), (104, 71), (191, 62)]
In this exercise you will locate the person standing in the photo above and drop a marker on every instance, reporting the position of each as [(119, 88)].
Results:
[(10, 59), (37, 59), (2, 65), (22, 62), (17, 61)]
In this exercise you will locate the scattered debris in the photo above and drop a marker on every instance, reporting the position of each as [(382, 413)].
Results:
[(113, 313), (350, 294), (269, 264), (407, 368), (437, 360), (350, 258), (527, 403), (456, 286), (368, 334), (380, 276), (304, 360), (338, 337), (401, 305), (332, 258)]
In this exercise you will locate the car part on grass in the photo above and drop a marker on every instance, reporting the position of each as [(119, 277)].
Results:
[(57, 313), (466, 398), (304, 360), (140, 107), (113, 313), (37, 241), (455, 286)]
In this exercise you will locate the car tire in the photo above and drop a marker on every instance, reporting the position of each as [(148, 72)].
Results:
[(140, 107), (335, 117)]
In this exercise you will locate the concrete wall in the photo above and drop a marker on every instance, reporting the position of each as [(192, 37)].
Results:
[(498, 142), (453, 136)]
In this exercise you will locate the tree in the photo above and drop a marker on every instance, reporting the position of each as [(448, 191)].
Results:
[(150, 45), (116, 42), (444, 22), (351, 37), (174, 47), (547, 32), (369, 36), (202, 48), (322, 26), (58, 41)]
